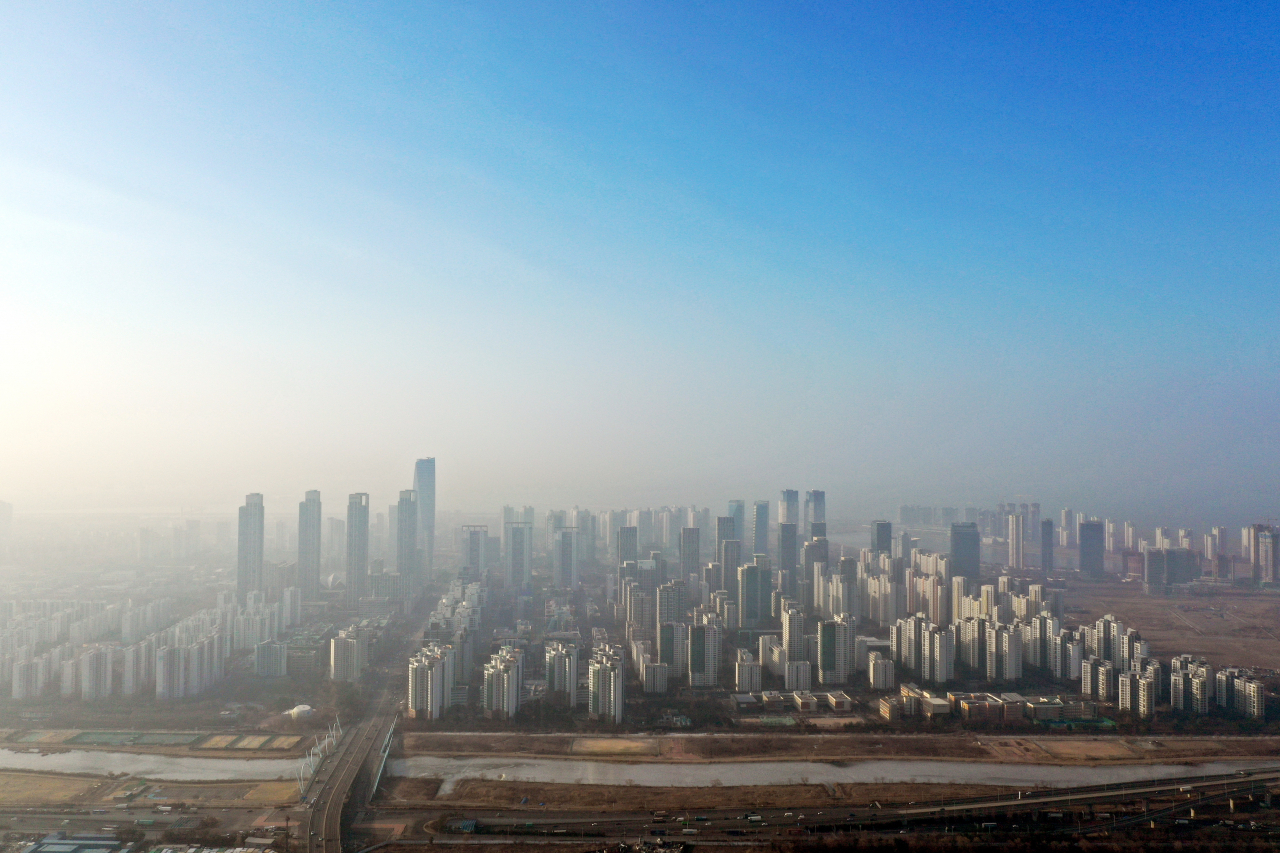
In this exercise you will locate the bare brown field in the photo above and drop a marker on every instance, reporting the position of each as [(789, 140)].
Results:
[(486, 793), (1230, 628), (41, 789), (403, 789), (487, 744), (614, 746), (960, 746), (226, 795)]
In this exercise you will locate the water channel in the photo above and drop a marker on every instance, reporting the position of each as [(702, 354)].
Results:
[(791, 772), (451, 770)]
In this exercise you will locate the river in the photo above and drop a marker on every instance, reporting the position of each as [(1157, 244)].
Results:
[(451, 770), (791, 772)]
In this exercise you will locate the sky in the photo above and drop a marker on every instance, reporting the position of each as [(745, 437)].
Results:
[(641, 253)]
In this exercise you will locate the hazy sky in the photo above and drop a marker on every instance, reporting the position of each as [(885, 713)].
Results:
[(640, 253)]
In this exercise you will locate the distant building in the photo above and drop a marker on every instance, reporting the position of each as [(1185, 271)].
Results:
[(251, 535), (424, 522), (966, 550), (882, 537), (1046, 544), (760, 527), (1092, 548), (357, 547), (309, 524)]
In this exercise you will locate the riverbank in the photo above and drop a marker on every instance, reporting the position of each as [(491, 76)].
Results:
[(453, 771), (487, 793), (958, 746), (238, 744)]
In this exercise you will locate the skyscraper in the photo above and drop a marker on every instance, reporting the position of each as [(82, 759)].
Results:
[(1092, 548), (690, 549), (252, 535), (788, 552), (309, 520), (738, 512), (565, 561), (518, 558), (789, 507), (424, 483), (1046, 544), (760, 527), (1017, 548), (966, 550), (628, 545), (408, 554), (815, 510), (357, 547), (882, 537)]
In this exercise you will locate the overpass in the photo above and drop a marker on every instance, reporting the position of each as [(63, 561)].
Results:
[(363, 746)]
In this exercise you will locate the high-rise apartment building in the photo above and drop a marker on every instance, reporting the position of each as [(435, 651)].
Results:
[(424, 484), (357, 547), (704, 655), (517, 558), (565, 554), (606, 682), (408, 554), (431, 673), (251, 541), (503, 683), (309, 521), (562, 671), (1017, 548), (835, 650)]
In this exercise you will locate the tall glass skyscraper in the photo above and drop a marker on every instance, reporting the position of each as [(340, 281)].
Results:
[(424, 483), (309, 521), (251, 538), (357, 547)]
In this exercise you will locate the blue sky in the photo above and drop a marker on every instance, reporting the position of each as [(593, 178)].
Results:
[(624, 253)]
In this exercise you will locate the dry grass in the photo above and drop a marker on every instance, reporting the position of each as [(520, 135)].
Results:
[(41, 789), (614, 746), (486, 793)]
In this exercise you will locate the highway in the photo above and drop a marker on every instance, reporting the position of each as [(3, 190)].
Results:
[(327, 792), (1184, 791)]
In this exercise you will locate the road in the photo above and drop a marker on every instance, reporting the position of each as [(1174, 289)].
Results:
[(1188, 790), (327, 792)]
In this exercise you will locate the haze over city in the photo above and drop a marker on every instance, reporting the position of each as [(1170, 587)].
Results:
[(636, 254), (639, 427)]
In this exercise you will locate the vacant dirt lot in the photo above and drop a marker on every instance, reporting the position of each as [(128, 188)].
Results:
[(223, 794), (1231, 628), (476, 792), (853, 747), (452, 743), (615, 746), (41, 789)]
